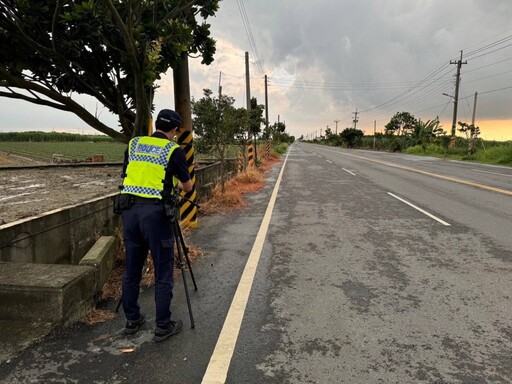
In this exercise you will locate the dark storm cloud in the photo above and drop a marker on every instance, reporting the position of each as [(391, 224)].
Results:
[(342, 42)]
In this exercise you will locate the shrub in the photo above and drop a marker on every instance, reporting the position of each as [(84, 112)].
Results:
[(282, 148)]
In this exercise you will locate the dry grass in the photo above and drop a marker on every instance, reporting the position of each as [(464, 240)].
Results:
[(98, 316), (232, 198)]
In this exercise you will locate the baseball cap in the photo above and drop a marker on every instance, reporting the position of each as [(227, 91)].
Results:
[(167, 119)]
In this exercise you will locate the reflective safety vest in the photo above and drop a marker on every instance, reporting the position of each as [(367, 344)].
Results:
[(147, 160)]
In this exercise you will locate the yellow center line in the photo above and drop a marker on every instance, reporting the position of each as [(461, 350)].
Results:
[(449, 178)]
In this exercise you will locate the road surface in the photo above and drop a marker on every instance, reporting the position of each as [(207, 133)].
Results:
[(349, 267)]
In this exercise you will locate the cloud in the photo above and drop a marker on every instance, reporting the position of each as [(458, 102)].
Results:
[(327, 58)]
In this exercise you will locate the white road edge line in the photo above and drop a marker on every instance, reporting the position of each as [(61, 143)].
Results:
[(346, 170), (421, 210), (218, 367)]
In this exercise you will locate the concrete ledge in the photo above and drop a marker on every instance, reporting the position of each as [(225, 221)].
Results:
[(58, 294), (101, 257)]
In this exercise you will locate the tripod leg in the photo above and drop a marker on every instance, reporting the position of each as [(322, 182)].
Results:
[(187, 258), (182, 267), (119, 304)]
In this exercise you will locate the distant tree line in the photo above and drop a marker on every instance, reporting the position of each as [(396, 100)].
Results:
[(51, 137), (406, 133)]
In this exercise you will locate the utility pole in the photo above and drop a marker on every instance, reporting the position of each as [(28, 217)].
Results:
[(456, 97), (474, 110), (183, 106), (355, 118), (266, 104), (374, 132), (247, 82), (336, 121), (220, 86), (248, 94)]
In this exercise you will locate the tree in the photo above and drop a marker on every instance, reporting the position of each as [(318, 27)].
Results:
[(351, 136), (424, 132), (255, 121), (472, 133), (216, 122), (111, 50), (256, 117), (401, 123)]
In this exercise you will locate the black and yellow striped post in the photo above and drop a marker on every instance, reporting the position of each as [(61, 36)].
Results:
[(189, 210), (268, 147), (183, 106), (250, 154)]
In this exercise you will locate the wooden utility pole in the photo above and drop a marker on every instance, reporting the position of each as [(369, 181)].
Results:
[(220, 86), (456, 97), (247, 82), (374, 132), (355, 118), (250, 148), (183, 106), (266, 103), (474, 110)]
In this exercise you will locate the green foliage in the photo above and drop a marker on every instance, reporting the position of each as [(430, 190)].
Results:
[(401, 123), (282, 148), (351, 136), (500, 154), (256, 117), (217, 123), (111, 50)]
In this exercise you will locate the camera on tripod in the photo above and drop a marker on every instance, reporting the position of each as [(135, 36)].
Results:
[(172, 203)]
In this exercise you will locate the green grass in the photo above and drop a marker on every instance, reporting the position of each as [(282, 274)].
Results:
[(282, 148), (496, 154), (43, 151)]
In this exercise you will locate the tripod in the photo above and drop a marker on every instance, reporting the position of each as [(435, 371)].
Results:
[(172, 211)]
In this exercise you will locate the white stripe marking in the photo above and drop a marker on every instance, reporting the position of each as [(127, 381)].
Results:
[(346, 170), (218, 367), (329, 161), (421, 210)]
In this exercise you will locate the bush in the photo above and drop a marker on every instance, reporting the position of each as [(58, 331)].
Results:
[(495, 155), (282, 148)]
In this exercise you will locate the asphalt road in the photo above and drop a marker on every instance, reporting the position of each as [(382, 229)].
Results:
[(349, 267)]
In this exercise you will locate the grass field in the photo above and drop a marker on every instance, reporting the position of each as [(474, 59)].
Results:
[(43, 151)]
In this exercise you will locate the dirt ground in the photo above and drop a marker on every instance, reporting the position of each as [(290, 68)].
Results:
[(30, 192)]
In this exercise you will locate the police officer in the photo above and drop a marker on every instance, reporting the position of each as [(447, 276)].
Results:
[(152, 164)]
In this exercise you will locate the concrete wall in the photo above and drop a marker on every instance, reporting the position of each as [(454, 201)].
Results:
[(65, 235), (61, 236), (208, 176)]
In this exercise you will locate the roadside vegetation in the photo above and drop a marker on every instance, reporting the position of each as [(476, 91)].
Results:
[(404, 133)]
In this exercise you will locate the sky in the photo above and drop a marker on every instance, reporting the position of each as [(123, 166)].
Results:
[(328, 59)]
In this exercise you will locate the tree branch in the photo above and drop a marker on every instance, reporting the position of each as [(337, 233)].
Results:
[(66, 103)]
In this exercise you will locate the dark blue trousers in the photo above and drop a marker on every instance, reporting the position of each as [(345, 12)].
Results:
[(146, 227)]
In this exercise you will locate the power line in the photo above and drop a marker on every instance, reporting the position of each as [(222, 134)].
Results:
[(248, 31)]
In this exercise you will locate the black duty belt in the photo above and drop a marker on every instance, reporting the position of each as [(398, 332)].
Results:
[(145, 200)]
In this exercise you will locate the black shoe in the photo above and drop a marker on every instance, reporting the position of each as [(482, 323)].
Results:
[(132, 326), (162, 334)]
